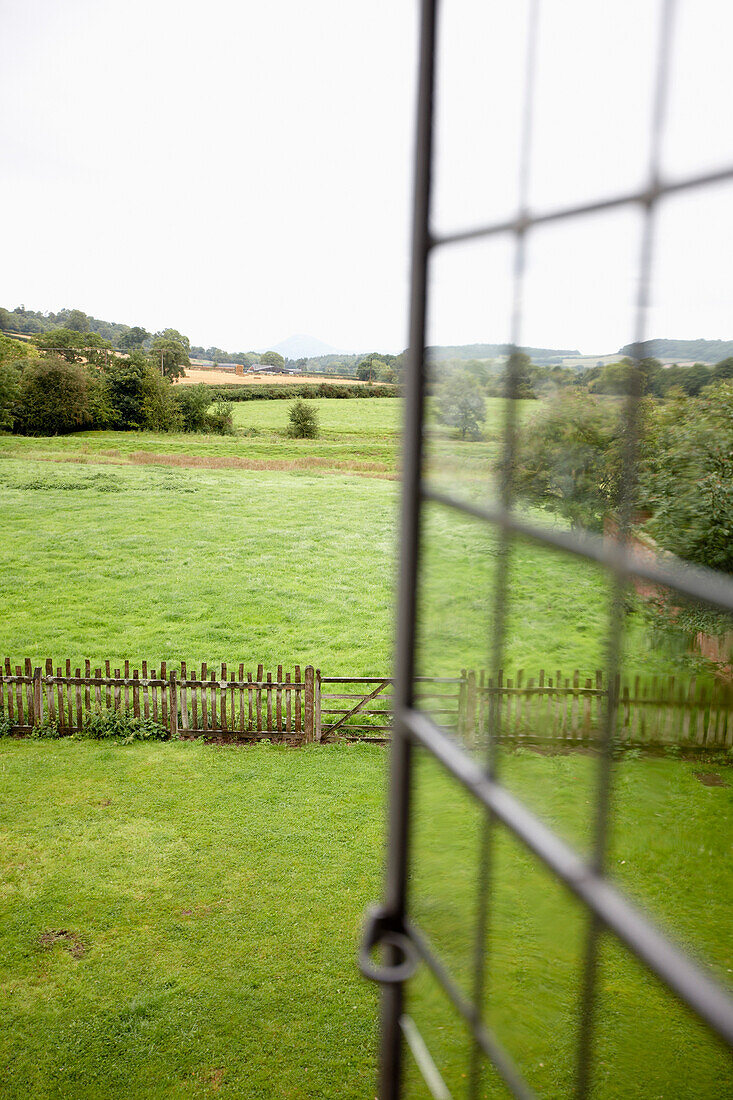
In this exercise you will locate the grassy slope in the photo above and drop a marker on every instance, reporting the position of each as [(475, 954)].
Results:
[(269, 566), (216, 895)]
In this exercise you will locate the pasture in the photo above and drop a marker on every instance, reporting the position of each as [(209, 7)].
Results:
[(181, 920), (281, 566)]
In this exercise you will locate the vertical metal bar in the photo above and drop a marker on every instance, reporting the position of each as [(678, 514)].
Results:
[(401, 750), (501, 583), (621, 577)]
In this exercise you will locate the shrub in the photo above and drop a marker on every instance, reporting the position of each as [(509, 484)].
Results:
[(219, 419), (53, 398), (303, 420), (139, 397), (193, 404)]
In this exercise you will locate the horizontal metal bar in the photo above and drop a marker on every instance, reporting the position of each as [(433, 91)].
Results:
[(524, 221), (703, 585), (490, 1045), (686, 980)]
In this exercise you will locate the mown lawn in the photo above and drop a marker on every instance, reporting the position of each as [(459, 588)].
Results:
[(181, 920)]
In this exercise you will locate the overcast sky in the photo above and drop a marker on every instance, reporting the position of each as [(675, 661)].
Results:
[(242, 170)]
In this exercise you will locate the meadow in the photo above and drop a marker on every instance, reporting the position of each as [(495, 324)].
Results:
[(258, 547), (181, 920)]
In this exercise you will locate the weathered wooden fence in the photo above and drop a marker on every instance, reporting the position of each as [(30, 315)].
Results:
[(213, 702), (304, 706), (548, 707)]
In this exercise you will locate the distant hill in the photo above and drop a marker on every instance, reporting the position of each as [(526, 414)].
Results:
[(303, 347), (695, 351), (541, 356)]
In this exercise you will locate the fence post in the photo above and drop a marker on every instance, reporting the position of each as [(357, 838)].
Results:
[(462, 706), (173, 704), (37, 697), (317, 707), (308, 734), (470, 731)]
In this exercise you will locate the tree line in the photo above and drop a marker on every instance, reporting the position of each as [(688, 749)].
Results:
[(67, 381)]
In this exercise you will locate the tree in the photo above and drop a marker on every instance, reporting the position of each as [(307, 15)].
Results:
[(273, 359), (74, 347), (134, 338), (303, 420), (171, 349), (139, 397), (9, 376), (519, 370), (460, 404), (569, 460), (686, 477), (53, 398), (77, 321), (722, 371)]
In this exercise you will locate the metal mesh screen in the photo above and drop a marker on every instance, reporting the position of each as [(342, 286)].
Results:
[(477, 774)]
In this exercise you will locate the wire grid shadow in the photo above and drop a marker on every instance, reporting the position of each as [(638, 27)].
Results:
[(390, 927)]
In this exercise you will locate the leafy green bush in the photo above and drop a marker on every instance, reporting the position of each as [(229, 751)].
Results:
[(286, 392), (139, 397), (219, 419), (53, 398), (193, 404), (303, 420), (104, 724)]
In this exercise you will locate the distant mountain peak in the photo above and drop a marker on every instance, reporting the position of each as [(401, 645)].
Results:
[(302, 346)]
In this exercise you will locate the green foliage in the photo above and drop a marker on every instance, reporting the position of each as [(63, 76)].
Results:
[(9, 391), (78, 321), (104, 724), (139, 397), (286, 392), (53, 398), (134, 338), (461, 405), (219, 419), (569, 460), (15, 351), (519, 376), (303, 420), (193, 403), (73, 346), (686, 477), (198, 414), (171, 349), (272, 359)]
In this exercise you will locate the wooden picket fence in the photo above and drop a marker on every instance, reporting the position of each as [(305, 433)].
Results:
[(214, 703), (304, 706)]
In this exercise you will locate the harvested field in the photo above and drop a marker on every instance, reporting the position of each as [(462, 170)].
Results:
[(227, 377)]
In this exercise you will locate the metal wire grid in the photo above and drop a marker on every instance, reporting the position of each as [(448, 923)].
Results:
[(586, 879)]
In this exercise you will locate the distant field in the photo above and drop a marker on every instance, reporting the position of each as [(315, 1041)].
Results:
[(224, 377)]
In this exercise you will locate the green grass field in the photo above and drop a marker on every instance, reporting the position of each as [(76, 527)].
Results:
[(181, 920), (120, 561)]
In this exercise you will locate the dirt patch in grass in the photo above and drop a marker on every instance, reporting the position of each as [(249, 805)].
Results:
[(230, 462), (710, 779), (67, 939)]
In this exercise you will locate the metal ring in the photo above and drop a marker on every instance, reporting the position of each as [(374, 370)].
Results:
[(378, 933)]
